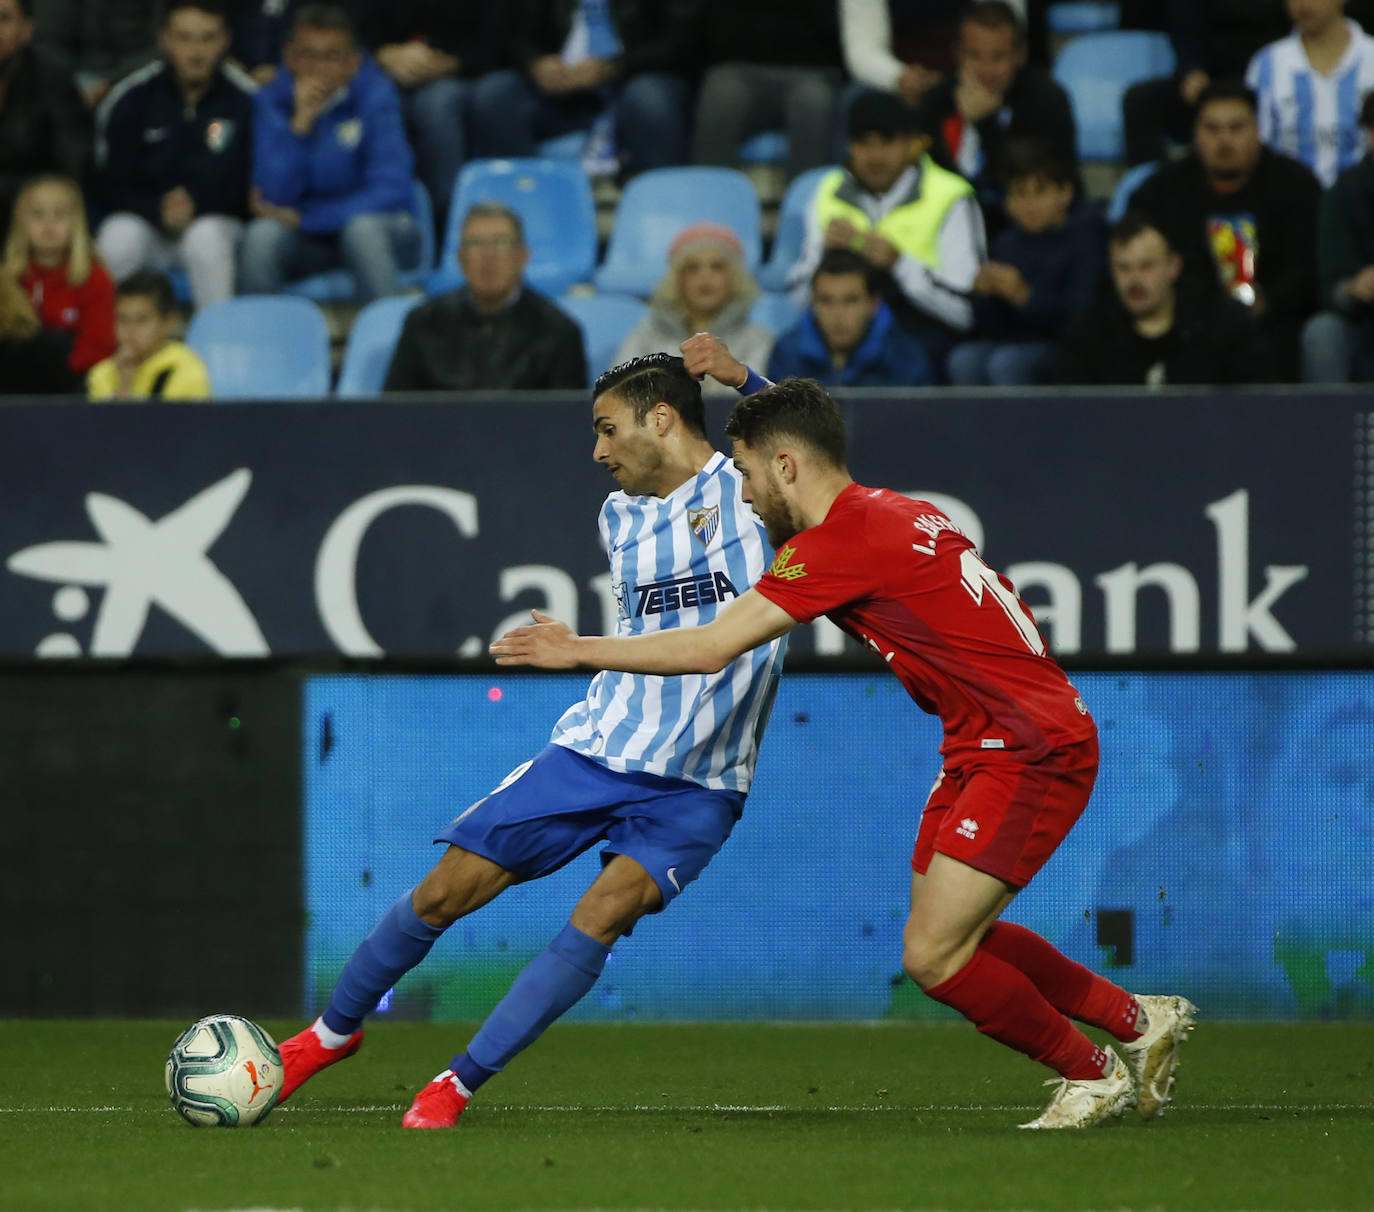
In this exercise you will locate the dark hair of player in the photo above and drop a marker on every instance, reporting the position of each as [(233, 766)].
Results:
[(656, 378), (148, 285), (799, 409), (211, 8)]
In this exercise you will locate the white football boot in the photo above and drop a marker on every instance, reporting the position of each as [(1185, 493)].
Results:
[(1154, 1056), (1082, 1104)]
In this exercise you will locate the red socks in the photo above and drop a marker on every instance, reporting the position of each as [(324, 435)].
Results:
[(1068, 986), (1000, 1000)]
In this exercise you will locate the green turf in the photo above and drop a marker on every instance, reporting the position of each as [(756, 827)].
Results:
[(709, 1117)]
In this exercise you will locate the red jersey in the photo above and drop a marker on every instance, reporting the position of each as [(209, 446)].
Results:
[(901, 578), (87, 311)]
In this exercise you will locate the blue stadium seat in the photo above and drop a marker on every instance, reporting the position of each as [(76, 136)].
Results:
[(775, 312), (658, 204), (554, 201), (770, 147), (1096, 70), (1121, 196), (1083, 17), (606, 321), (787, 240), (260, 347), (337, 285), (371, 341), (564, 147)]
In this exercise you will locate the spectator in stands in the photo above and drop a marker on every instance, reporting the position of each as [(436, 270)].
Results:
[(174, 156), (614, 68), (905, 46), (434, 51), (1043, 269), (992, 97), (99, 41), (916, 223), (1213, 40), (1244, 215), (707, 289), (1156, 327), (50, 251), (148, 364), (1309, 86), (332, 171), (44, 127), (767, 70), (848, 337), (495, 333), (1338, 344), (34, 358), (261, 31)]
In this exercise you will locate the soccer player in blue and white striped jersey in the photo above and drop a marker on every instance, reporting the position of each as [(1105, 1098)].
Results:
[(656, 767), (1310, 86)]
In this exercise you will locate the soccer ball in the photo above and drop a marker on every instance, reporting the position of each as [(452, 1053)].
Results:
[(224, 1072)]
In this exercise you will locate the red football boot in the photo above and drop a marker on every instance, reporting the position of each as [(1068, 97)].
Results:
[(303, 1056), (438, 1105)]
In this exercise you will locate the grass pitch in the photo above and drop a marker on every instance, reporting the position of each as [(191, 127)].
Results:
[(707, 1117)]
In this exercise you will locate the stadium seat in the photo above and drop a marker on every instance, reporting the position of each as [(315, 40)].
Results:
[(259, 347), (564, 147), (1096, 70), (606, 321), (787, 241), (770, 147), (337, 285), (775, 312), (658, 204), (1083, 17), (554, 201), (1121, 195), (371, 341)]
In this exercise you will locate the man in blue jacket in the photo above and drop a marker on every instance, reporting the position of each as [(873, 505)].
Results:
[(332, 171), (174, 143), (849, 337)]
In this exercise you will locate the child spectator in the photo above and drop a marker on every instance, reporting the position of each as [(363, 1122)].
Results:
[(849, 337), (1043, 268), (49, 250), (34, 357), (706, 289), (147, 362)]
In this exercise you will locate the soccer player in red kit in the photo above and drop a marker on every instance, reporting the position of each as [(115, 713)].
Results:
[(1019, 753)]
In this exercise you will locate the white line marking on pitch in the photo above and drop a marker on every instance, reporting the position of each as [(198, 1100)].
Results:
[(710, 1108)]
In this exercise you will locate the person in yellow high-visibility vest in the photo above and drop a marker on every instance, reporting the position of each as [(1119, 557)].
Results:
[(917, 224)]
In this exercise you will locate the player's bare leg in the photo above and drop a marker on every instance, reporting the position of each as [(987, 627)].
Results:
[(459, 883), (551, 983), (953, 906)]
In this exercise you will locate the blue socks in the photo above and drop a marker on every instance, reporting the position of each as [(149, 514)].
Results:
[(397, 943), (551, 983)]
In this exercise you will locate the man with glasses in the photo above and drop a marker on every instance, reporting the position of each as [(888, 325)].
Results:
[(332, 171), (494, 332)]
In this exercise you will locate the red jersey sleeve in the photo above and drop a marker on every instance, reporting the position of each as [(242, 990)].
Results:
[(817, 571)]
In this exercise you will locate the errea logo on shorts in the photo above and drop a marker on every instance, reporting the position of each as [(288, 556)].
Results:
[(968, 828)]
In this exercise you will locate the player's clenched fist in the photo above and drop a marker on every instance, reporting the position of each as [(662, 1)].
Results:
[(546, 643), (705, 354)]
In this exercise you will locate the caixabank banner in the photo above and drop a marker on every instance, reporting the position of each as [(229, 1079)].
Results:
[(1131, 523)]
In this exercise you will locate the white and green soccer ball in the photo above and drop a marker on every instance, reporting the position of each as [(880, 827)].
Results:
[(224, 1072)]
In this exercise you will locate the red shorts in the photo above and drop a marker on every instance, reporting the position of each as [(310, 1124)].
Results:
[(1006, 818)]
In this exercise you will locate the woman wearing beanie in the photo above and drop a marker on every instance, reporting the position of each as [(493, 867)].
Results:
[(706, 289)]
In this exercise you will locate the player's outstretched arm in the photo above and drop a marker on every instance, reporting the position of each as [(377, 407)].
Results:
[(704, 354), (746, 623)]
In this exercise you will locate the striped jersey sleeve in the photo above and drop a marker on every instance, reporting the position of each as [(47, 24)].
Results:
[(675, 562)]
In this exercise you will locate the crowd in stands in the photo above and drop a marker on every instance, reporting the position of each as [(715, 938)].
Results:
[(164, 156)]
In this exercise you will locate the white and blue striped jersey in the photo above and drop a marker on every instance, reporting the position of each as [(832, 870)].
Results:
[(1312, 117), (675, 562)]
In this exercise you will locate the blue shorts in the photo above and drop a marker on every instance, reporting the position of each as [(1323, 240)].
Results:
[(548, 811)]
